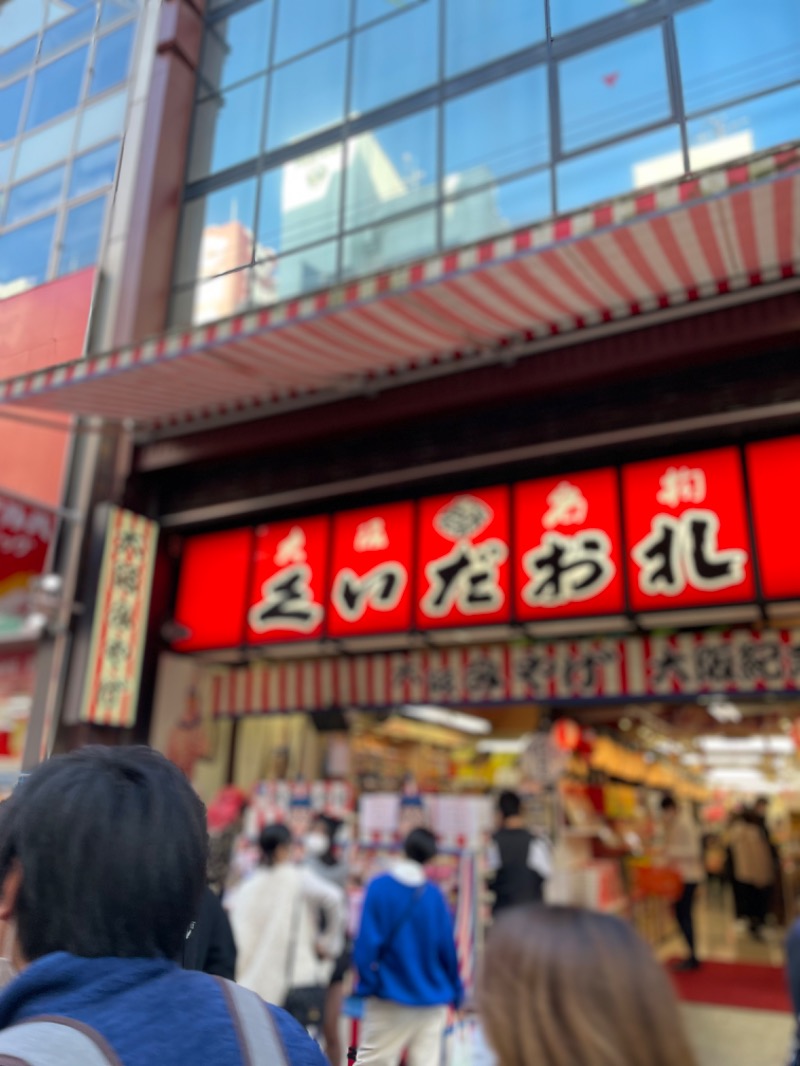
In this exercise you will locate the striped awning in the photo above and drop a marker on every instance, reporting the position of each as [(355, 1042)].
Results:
[(729, 230)]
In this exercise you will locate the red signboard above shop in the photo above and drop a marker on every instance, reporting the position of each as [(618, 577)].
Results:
[(212, 593), (773, 467), (567, 546), (371, 572), (463, 568), (687, 533), (290, 580)]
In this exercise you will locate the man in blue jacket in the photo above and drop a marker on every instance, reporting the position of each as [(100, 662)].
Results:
[(407, 962), (102, 869)]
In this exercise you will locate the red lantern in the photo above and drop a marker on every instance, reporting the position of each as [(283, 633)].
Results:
[(566, 734)]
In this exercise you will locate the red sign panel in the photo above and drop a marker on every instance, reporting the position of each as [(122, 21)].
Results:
[(686, 528), (287, 597), (463, 568), (772, 469), (212, 592), (567, 546), (371, 577)]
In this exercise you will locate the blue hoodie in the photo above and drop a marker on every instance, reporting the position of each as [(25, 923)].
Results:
[(405, 951), (149, 1010)]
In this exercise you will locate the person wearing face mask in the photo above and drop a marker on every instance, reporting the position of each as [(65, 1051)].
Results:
[(323, 857)]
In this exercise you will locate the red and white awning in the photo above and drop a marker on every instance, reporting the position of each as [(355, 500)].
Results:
[(681, 243)]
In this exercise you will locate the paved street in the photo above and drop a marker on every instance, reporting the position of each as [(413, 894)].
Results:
[(721, 1035)]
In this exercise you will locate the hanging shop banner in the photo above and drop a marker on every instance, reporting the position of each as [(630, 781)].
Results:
[(687, 533), (211, 605), (463, 568), (772, 471), (288, 591), (566, 540), (25, 536), (119, 627), (736, 662), (371, 572)]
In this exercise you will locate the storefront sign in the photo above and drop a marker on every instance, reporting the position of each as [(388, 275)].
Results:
[(566, 535), (120, 620), (686, 527), (740, 661), (657, 535), (25, 536), (212, 596), (463, 573), (772, 475), (371, 575), (287, 595)]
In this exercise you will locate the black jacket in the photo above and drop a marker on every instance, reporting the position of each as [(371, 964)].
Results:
[(210, 946)]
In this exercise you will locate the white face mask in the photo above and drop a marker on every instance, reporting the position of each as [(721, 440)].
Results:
[(316, 844)]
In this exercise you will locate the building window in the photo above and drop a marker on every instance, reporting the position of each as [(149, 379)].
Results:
[(236, 48), (305, 26), (25, 255), (497, 209), (93, 170), (112, 58), (82, 232), (479, 31), (307, 96), (227, 129), (56, 88), (299, 202), (35, 196), (566, 15), (396, 57), (11, 101), (217, 232), (68, 31)]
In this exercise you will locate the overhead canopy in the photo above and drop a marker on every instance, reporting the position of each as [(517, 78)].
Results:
[(678, 244)]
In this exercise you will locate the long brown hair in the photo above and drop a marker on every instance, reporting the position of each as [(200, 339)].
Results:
[(566, 987)]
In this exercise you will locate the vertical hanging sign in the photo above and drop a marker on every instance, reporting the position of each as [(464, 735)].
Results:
[(119, 629)]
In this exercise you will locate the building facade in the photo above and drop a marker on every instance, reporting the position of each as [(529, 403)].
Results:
[(372, 252)]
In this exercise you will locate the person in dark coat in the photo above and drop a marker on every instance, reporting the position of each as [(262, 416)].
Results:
[(210, 946), (519, 862)]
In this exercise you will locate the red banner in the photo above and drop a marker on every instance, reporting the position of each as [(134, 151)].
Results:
[(213, 590), (772, 469), (566, 540), (287, 596), (686, 529), (371, 573), (463, 569)]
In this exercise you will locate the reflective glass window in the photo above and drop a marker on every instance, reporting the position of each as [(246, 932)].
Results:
[(114, 10), (227, 129), (392, 169), (497, 209), (300, 201), (13, 60), (741, 129), (570, 14), (479, 31), (614, 89), (374, 249), (307, 96), (732, 48), (396, 57), (632, 164), (6, 155), (112, 58), (11, 100), (102, 120), (25, 255), (237, 47), (40, 150), (217, 232), (20, 19), (370, 10), (306, 271), (81, 241), (93, 170), (56, 88), (63, 33), (34, 196), (498, 130), (304, 26)]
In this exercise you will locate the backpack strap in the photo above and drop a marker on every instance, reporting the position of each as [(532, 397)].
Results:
[(258, 1035), (54, 1041)]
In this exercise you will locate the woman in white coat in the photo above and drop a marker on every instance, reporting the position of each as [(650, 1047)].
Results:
[(276, 923)]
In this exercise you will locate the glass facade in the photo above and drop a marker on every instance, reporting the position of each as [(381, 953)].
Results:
[(64, 67), (336, 138)]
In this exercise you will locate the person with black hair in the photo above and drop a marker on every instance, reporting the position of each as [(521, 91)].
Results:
[(518, 861), (102, 869), (407, 962), (276, 923), (210, 946), (683, 851)]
